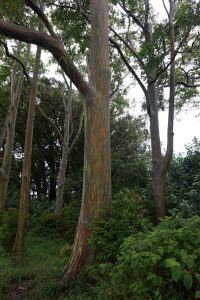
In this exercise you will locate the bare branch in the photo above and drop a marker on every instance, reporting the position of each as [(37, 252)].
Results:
[(52, 123), (116, 45), (8, 54), (117, 89), (77, 134), (188, 85), (172, 59), (133, 51), (165, 7), (135, 19)]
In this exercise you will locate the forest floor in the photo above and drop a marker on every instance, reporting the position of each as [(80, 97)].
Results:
[(38, 276)]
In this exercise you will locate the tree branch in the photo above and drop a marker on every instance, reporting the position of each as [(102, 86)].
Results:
[(77, 134), (187, 84), (54, 46), (171, 60), (8, 54), (135, 19), (52, 123), (39, 12), (135, 54), (116, 45), (165, 7)]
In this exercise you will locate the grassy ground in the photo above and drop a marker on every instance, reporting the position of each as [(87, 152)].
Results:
[(38, 277)]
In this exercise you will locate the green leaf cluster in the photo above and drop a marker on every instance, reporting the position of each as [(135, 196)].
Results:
[(126, 216), (184, 182), (8, 228), (161, 264)]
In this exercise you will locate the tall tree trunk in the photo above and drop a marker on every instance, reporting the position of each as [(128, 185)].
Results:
[(24, 197), (170, 134), (157, 180), (65, 154), (161, 165), (16, 87), (97, 173)]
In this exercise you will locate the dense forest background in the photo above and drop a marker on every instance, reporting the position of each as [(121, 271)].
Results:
[(90, 205)]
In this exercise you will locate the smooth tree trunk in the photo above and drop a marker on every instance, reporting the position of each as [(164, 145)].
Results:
[(158, 180), (16, 88), (66, 149), (160, 165), (65, 154), (25, 186), (97, 171), (170, 134)]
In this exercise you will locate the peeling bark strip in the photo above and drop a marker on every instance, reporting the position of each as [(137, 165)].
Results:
[(97, 174), (24, 196)]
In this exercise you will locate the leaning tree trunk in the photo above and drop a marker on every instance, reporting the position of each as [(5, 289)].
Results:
[(97, 174), (24, 197), (16, 87)]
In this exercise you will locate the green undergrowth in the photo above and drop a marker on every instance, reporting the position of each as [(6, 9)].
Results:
[(38, 276)]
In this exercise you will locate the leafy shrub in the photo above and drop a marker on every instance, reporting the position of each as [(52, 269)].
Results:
[(8, 228), (84, 286), (37, 207), (125, 216), (65, 227), (162, 264), (184, 182), (65, 252)]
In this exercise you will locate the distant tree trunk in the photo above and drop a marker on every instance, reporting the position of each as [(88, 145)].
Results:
[(161, 165), (52, 178), (65, 153), (97, 173), (165, 165), (158, 180), (39, 174), (16, 87), (24, 197)]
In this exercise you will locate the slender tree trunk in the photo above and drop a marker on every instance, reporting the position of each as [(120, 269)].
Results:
[(157, 179), (170, 134), (97, 173), (65, 155), (161, 165), (16, 87), (52, 178), (24, 197)]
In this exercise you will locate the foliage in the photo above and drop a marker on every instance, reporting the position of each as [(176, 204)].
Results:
[(124, 217), (8, 228), (37, 206), (65, 252), (85, 285), (129, 152), (65, 227), (184, 182), (161, 264)]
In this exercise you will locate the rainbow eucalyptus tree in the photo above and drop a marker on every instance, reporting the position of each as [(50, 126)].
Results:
[(97, 174)]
